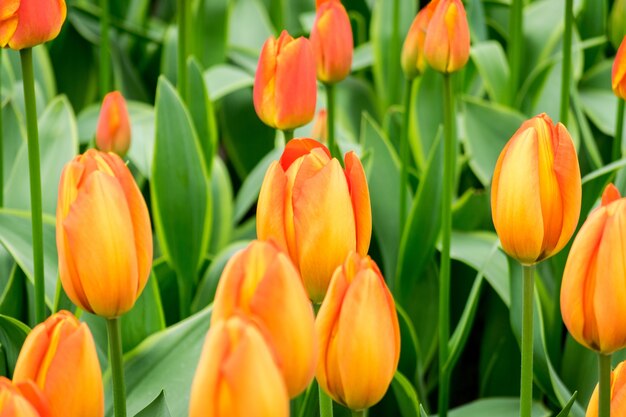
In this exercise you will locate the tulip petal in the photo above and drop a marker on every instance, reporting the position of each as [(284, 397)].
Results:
[(331, 39), (296, 148), (610, 194), (265, 84), (360, 195), (618, 73), (271, 206), (38, 23), (459, 35)]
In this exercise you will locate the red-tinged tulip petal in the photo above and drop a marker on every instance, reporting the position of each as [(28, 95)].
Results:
[(447, 42), (296, 148), (610, 194), (264, 83), (31, 392), (618, 74), (37, 22), (271, 206), (113, 130), (331, 39), (360, 195), (12, 403), (8, 8)]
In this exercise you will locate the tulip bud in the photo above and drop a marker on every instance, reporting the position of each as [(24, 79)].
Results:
[(103, 234), (261, 283), (536, 191), (27, 23), (447, 42), (618, 75), (60, 353), (285, 89), (320, 127), (412, 60), (237, 375), (13, 402), (617, 392), (617, 22), (315, 210), (359, 337), (593, 291), (113, 132), (331, 39)]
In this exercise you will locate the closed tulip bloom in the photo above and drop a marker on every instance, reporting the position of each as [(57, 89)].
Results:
[(593, 291), (285, 89), (320, 127), (103, 234), (315, 210), (59, 354), (358, 334), (536, 191), (14, 404), (618, 394), (412, 59), (447, 42), (331, 39), (237, 375), (618, 75), (261, 283), (27, 23), (113, 132)]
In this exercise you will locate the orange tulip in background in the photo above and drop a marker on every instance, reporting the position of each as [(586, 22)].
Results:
[(412, 60), (320, 127), (13, 402), (113, 132), (315, 210), (103, 234), (618, 394), (618, 75), (285, 89), (359, 337), (593, 291), (237, 375), (536, 191), (331, 39), (59, 356), (27, 23), (261, 283), (447, 42)]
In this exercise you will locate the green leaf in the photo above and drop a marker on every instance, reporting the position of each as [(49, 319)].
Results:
[(501, 407), (210, 27), (157, 408), (307, 403), (12, 336), (492, 65), (223, 79), (565, 411), (593, 185), (406, 395), (222, 207), (179, 186), (426, 115), (13, 296), (14, 136), (145, 318), (201, 111), (251, 15), (409, 345)]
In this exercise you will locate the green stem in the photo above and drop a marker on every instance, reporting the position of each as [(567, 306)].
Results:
[(359, 413), (183, 47), (515, 47), (1, 141), (288, 135), (28, 78), (404, 152), (604, 370), (326, 404), (395, 47), (527, 341), (330, 120), (105, 49), (619, 128), (117, 366), (567, 62), (449, 149), (184, 298)]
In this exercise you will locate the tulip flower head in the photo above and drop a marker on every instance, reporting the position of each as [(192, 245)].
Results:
[(320, 127), (13, 403), (56, 354), (315, 210), (618, 75), (237, 375), (412, 60), (261, 283), (447, 42), (536, 191), (593, 291), (103, 234), (27, 23), (618, 394), (285, 89), (358, 333), (331, 39), (113, 132)]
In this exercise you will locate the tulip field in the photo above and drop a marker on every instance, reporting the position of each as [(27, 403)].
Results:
[(312, 208)]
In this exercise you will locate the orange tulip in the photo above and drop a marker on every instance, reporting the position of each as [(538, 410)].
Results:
[(320, 127), (60, 354), (447, 42), (536, 191), (285, 89), (237, 375), (113, 132), (103, 234), (359, 337), (593, 291), (261, 283), (618, 394), (331, 39), (412, 60), (13, 402), (27, 23), (315, 210), (618, 75)]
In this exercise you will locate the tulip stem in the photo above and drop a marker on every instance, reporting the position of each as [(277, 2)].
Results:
[(619, 128), (604, 371), (449, 150), (288, 135), (105, 54), (28, 78), (527, 341), (515, 47), (326, 404), (183, 47), (567, 62), (359, 413), (404, 151), (330, 114), (117, 366)]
